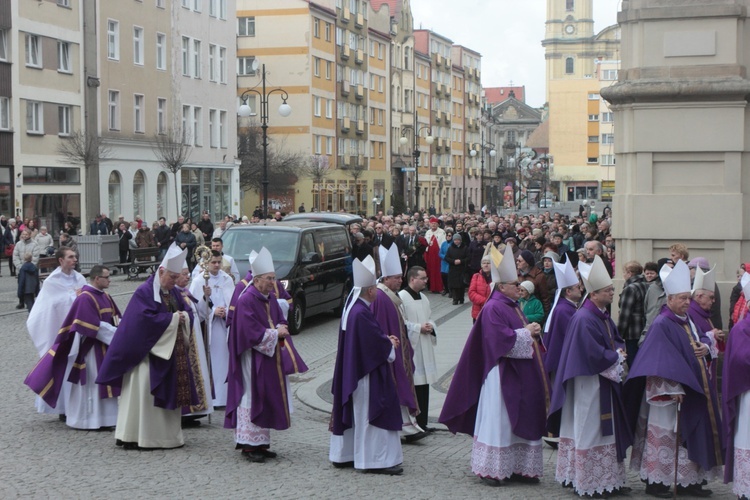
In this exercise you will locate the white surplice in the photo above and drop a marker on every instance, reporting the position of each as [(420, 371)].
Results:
[(138, 420), (45, 319), (417, 313), (222, 288), (741, 484), (586, 459), (369, 447), (84, 409), (496, 452)]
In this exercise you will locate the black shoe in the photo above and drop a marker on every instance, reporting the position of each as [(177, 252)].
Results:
[(455, 302), (695, 490), (491, 481), (19, 306), (267, 453), (519, 478), (623, 490), (388, 471), (413, 438), (190, 422), (343, 465), (429, 429), (254, 456), (658, 490)]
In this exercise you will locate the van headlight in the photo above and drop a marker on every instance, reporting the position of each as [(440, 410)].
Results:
[(285, 284)]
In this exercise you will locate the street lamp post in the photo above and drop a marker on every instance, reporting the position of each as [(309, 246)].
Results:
[(484, 145), (245, 111), (416, 153)]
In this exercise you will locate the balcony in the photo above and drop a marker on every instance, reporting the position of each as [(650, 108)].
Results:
[(345, 52), (359, 21), (447, 63), (345, 86), (447, 145), (359, 58), (439, 59), (438, 89), (346, 124), (360, 92), (445, 88), (360, 127), (361, 162), (345, 15), (446, 117), (440, 142)]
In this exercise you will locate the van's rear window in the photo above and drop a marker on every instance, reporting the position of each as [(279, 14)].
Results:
[(281, 244)]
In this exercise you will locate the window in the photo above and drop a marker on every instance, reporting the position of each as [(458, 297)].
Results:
[(316, 105), (213, 136), (608, 138), (318, 140), (63, 120), (197, 5), (33, 54), (381, 80), (186, 3), (185, 56), (161, 51), (380, 117), (328, 32), (161, 112), (593, 96), (609, 74), (569, 66), (197, 126), (223, 128), (593, 138), (138, 46), (246, 26), (316, 27), (63, 3), (113, 102), (593, 118), (51, 175), (159, 4), (63, 57), (569, 5), (245, 66), (113, 39), (381, 51), (34, 118), (608, 160), (212, 62), (196, 59), (186, 123), (222, 9), (213, 8), (329, 108), (316, 66), (3, 45), (591, 159), (4, 113), (223, 64), (608, 117), (329, 145), (328, 70), (138, 113)]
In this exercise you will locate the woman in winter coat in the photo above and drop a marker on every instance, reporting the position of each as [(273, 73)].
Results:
[(479, 289), (444, 267), (457, 257), (531, 306)]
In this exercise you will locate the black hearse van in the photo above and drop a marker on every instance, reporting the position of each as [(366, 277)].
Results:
[(312, 260)]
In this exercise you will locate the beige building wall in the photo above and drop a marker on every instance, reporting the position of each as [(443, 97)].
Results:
[(682, 120), (45, 81)]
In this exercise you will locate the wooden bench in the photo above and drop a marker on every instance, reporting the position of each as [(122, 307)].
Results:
[(141, 260), (46, 265)]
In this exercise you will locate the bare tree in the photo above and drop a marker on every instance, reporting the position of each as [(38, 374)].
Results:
[(355, 172), (284, 166), (317, 170), (80, 148), (173, 150)]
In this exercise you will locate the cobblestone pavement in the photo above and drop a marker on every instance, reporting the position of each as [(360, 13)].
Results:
[(42, 458)]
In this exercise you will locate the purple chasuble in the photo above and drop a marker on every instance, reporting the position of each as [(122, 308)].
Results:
[(364, 350), (269, 400), (555, 337), (668, 353), (143, 324), (734, 383), (240, 287), (89, 309), (590, 347), (390, 320), (525, 385)]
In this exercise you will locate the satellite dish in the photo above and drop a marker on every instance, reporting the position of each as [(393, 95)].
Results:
[(255, 65)]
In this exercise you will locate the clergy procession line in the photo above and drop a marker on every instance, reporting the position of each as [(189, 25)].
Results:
[(180, 351)]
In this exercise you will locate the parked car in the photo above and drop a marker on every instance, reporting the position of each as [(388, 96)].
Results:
[(334, 218), (312, 260)]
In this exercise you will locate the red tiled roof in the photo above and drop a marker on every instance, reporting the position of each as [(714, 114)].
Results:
[(393, 5), (496, 95)]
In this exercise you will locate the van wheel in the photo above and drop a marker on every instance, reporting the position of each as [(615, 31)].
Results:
[(296, 316)]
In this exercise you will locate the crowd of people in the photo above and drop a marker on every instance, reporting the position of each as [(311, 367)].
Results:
[(544, 359)]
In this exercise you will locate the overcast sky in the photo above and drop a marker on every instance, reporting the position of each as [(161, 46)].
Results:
[(508, 34)]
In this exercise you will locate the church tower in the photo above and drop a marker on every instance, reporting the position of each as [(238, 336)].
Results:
[(569, 35)]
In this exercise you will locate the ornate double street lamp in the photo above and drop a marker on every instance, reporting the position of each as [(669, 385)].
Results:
[(415, 153), (245, 111), (491, 148)]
